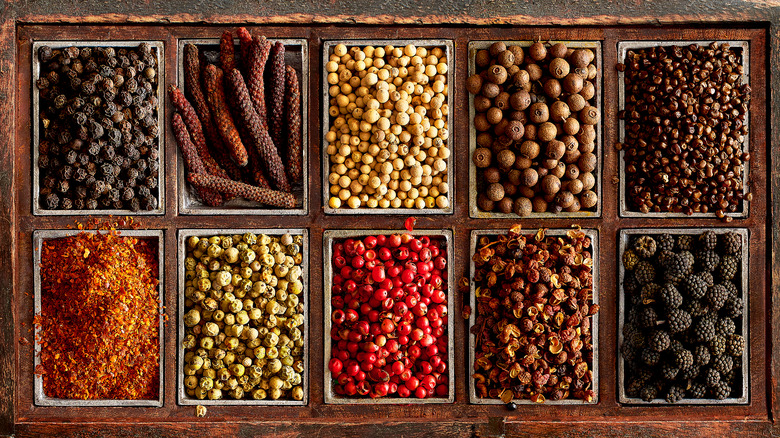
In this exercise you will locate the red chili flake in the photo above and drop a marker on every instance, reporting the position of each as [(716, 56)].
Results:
[(409, 223), (99, 320)]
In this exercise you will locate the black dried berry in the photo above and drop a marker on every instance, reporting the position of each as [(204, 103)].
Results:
[(644, 272), (679, 320), (735, 345), (665, 242), (659, 341), (732, 243), (704, 328), (723, 364), (728, 266), (670, 296), (648, 393), (722, 391), (707, 259), (701, 355), (725, 327), (717, 296), (708, 239), (645, 247), (711, 377), (717, 345)]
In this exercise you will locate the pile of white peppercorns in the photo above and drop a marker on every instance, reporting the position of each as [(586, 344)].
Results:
[(388, 137)]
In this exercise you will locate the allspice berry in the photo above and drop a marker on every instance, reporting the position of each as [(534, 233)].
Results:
[(588, 90), (522, 80), (558, 50), (572, 83), (502, 101), (559, 68), (559, 111), (576, 102), (588, 199), (571, 126), (529, 149), (496, 74), (514, 176), (564, 199), (496, 48), (580, 58), (574, 207), (482, 58), (552, 88), (492, 175), (587, 162), (506, 59), (515, 130), (506, 158), (490, 90), (474, 84), (588, 180), (589, 115), (539, 204), (538, 113), (555, 149), (484, 203), (537, 51), (528, 177), (505, 204), (481, 122), (575, 186), (495, 192), (482, 104), (520, 100), (546, 131), (534, 72), (518, 53), (494, 115), (523, 206), (551, 184), (482, 157)]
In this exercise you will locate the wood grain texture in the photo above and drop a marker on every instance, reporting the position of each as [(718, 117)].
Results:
[(607, 418)]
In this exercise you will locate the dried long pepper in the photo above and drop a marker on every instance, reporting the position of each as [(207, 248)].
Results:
[(273, 198), (293, 118), (245, 39), (99, 324), (227, 51), (192, 161), (215, 94), (276, 103), (258, 56), (260, 138)]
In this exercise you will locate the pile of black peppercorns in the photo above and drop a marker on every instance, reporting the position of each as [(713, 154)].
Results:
[(682, 336), (685, 123), (536, 128), (99, 144)]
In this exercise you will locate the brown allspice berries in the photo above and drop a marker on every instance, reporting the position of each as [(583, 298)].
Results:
[(496, 74), (523, 206), (496, 48), (555, 149), (522, 162), (500, 128), (490, 90), (482, 104), (574, 207), (515, 130), (474, 84), (506, 59), (510, 189), (587, 162), (501, 101), (537, 51), (522, 80), (564, 198), (589, 115), (539, 204), (576, 102), (530, 149), (505, 204), (520, 100), (495, 192), (573, 83), (575, 186), (587, 147), (484, 203), (546, 131), (558, 50), (588, 90), (592, 72), (484, 139), (482, 157), (571, 125), (528, 177), (571, 157), (494, 115), (552, 88), (482, 58), (534, 72), (492, 175), (527, 192), (538, 112), (559, 170), (520, 116), (588, 199), (587, 134), (514, 176), (530, 131), (551, 184), (559, 68), (588, 180), (559, 111), (518, 53), (580, 58), (511, 70), (481, 122), (506, 158)]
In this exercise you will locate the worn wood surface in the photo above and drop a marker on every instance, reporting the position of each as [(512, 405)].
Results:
[(608, 418)]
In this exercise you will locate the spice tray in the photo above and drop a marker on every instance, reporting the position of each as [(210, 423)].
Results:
[(474, 211), (449, 50), (297, 56), (624, 236), (473, 398), (37, 130), (329, 237), (622, 48), (181, 395), (39, 236)]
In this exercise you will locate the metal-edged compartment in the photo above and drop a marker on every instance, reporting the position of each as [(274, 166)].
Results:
[(622, 49), (329, 237), (181, 248), (623, 241), (449, 49), (41, 399), (296, 55), (474, 211), (158, 46), (594, 327)]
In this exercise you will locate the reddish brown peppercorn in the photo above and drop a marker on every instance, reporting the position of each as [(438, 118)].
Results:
[(227, 51), (215, 94), (192, 161), (269, 197), (276, 104), (293, 117), (258, 56)]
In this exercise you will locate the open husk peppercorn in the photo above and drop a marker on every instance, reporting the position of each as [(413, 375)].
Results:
[(535, 121), (534, 309)]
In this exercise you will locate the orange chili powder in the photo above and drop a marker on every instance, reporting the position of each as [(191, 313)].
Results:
[(100, 317)]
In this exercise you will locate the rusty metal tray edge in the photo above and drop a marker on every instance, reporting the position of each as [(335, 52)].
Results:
[(473, 398), (449, 47), (181, 395), (624, 235), (328, 236), (622, 48), (40, 397), (36, 68), (187, 203), (474, 211)]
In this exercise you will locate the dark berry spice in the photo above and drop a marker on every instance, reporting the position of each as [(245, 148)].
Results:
[(725, 327), (707, 259), (665, 242), (694, 286), (697, 390), (732, 243), (723, 364), (644, 272), (645, 247), (733, 307), (708, 240), (717, 345), (659, 341), (701, 355), (727, 268), (684, 242), (648, 317), (711, 377), (735, 345), (679, 320), (704, 328), (648, 393), (650, 357), (722, 390), (670, 296), (717, 296)]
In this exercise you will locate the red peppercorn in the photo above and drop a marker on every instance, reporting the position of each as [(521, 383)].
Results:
[(335, 366)]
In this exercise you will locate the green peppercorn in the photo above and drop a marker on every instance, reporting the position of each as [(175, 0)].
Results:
[(192, 318), (259, 394), (297, 393)]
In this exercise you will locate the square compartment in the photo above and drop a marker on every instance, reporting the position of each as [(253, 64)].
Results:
[(296, 55), (451, 143), (38, 132), (474, 211), (623, 241), (330, 237), (594, 326), (181, 393), (41, 399), (622, 49)]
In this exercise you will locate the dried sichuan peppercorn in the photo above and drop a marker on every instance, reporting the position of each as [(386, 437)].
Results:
[(99, 322)]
